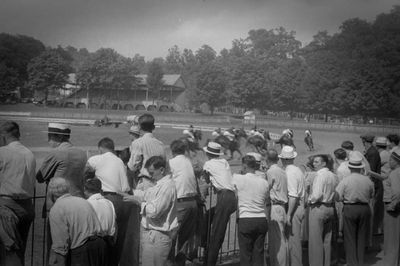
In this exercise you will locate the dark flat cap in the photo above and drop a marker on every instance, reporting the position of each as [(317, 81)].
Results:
[(368, 138)]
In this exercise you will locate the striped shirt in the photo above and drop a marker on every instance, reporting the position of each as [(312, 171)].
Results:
[(142, 149)]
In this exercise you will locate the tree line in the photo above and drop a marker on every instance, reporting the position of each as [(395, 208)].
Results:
[(355, 71)]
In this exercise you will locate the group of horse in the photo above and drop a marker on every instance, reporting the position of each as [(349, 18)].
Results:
[(240, 139)]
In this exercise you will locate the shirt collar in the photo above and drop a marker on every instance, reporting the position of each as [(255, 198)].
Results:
[(163, 180), (64, 196), (96, 196), (325, 169), (14, 143), (65, 144), (147, 135)]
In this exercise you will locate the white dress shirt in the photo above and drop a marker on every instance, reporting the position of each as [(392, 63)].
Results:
[(158, 208), (252, 193), (183, 175), (105, 212), (111, 171), (220, 173), (323, 187), (343, 170), (296, 181)]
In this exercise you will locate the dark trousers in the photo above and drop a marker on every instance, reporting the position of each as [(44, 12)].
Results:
[(251, 235), (187, 212), (356, 220), (92, 253), (15, 221), (226, 205), (126, 249)]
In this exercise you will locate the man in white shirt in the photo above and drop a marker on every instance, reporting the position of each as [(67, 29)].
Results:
[(277, 238), (103, 207), (321, 214), (186, 188), (158, 209), (218, 172), (295, 215), (111, 171), (252, 191)]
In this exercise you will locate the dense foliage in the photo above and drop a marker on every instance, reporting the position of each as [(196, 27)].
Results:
[(354, 71)]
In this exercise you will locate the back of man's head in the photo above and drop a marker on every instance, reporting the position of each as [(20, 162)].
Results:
[(58, 186), (10, 130), (340, 154), (250, 162), (178, 147), (348, 145), (92, 186), (106, 143), (272, 156), (394, 138), (146, 122)]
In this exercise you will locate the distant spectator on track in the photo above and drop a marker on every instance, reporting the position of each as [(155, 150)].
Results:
[(17, 182)]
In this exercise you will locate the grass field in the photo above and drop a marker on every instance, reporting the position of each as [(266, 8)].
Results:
[(86, 137)]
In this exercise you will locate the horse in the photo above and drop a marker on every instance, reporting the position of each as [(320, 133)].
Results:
[(231, 145), (286, 140), (260, 143), (309, 142), (193, 146)]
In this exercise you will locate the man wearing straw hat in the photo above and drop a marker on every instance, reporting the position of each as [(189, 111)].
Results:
[(296, 193), (355, 191), (64, 160), (391, 198), (218, 172), (17, 182)]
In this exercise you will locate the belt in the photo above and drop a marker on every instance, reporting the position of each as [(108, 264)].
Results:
[(330, 204), (109, 193), (279, 203), (224, 190), (13, 198), (355, 203), (186, 199)]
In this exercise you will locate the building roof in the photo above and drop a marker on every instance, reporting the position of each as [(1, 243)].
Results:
[(169, 79)]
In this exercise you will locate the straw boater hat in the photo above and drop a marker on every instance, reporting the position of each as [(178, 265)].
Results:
[(287, 152), (256, 155), (58, 128), (135, 130), (355, 160), (381, 141), (213, 148)]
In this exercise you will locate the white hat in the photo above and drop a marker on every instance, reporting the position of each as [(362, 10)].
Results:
[(186, 132), (381, 141), (287, 152), (256, 155), (355, 160), (134, 130), (213, 148), (58, 128)]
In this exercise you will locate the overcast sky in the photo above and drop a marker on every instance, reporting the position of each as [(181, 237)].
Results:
[(150, 27)]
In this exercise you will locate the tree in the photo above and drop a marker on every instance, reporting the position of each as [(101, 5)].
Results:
[(212, 82), (16, 51), (48, 71), (205, 55), (173, 61), (155, 79), (139, 63), (248, 84)]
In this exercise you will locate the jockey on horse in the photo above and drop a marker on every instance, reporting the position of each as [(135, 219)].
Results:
[(287, 138), (229, 140), (258, 138), (308, 140), (192, 138)]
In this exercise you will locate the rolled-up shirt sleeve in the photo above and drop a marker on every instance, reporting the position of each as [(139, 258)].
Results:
[(48, 169), (136, 156), (59, 232), (293, 185), (340, 190)]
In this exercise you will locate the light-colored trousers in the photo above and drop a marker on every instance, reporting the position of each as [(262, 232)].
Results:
[(295, 249), (320, 235), (277, 239), (155, 247), (391, 240)]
